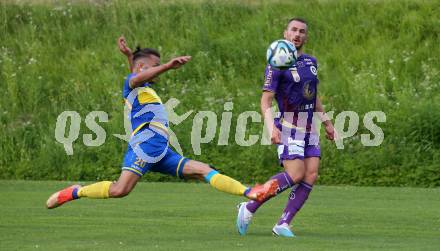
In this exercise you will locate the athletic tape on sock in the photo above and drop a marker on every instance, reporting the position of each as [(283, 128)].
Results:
[(210, 175)]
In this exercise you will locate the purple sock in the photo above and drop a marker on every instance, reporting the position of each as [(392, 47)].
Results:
[(284, 182), (297, 198)]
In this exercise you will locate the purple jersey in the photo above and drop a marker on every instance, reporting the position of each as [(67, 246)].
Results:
[(295, 89), (295, 92)]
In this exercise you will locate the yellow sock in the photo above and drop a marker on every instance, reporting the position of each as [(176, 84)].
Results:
[(98, 190), (225, 183)]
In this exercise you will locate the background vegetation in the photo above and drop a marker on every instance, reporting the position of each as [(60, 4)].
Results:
[(373, 55)]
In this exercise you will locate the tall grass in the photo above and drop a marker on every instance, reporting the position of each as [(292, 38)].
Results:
[(58, 56)]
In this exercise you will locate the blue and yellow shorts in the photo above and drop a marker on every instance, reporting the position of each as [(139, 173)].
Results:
[(148, 150)]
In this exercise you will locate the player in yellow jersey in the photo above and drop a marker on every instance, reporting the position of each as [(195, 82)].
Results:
[(148, 148)]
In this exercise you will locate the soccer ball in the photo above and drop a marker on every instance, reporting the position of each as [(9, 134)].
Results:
[(281, 54)]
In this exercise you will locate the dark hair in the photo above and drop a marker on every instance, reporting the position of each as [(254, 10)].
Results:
[(299, 19), (144, 53)]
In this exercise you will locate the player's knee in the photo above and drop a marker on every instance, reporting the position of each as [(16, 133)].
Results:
[(198, 168), (296, 176), (119, 191), (311, 177)]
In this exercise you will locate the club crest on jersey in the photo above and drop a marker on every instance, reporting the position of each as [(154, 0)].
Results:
[(313, 70), (308, 91)]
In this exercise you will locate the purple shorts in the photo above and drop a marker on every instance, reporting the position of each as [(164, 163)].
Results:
[(297, 150), (298, 146)]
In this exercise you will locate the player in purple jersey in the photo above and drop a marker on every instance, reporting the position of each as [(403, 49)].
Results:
[(294, 133)]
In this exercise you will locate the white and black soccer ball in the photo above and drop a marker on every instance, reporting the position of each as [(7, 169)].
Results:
[(281, 54)]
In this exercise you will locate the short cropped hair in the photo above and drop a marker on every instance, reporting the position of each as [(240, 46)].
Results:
[(144, 53), (299, 19)]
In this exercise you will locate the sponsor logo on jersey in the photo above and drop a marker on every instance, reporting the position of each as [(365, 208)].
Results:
[(295, 74)]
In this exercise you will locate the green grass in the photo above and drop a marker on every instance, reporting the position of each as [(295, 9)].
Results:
[(180, 216)]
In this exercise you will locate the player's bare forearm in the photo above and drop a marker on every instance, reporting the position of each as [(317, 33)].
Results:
[(124, 49), (148, 74), (265, 105), (330, 131), (130, 62), (152, 72), (266, 110), (320, 109)]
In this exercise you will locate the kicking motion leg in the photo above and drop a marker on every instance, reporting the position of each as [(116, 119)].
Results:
[(198, 170), (100, 190)]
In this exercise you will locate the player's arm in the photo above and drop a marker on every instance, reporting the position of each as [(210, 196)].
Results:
[(328, 125), (124, 49), (152, 72), (266, 110)]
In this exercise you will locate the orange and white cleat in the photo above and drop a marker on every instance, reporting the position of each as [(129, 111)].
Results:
[(59, 198), (262, 192)]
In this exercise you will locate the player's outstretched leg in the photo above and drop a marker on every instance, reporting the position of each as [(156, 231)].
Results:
[(202, 171), (100, 190)]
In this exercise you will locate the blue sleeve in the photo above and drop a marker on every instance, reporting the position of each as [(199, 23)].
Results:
[(126, 89)]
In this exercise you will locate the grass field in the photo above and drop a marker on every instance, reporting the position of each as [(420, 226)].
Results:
[(188, 216)]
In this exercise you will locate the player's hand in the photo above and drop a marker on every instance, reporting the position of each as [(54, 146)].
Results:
[(177, 62), (122, 44), (330, 132), (276, 136)]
